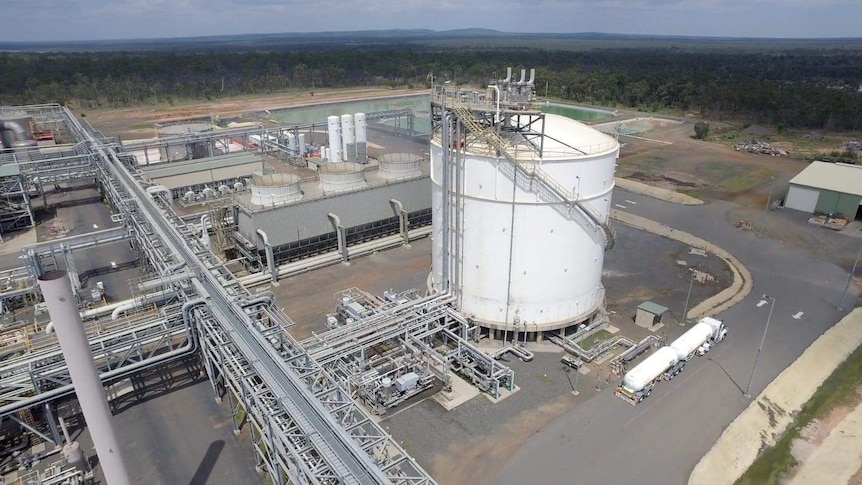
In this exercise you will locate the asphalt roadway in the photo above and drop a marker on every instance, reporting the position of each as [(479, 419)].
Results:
[(607, 441)]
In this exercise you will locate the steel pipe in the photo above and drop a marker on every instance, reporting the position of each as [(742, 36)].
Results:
[(63, 308)]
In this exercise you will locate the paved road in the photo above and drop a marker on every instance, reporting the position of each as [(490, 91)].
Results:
[(606, 441)]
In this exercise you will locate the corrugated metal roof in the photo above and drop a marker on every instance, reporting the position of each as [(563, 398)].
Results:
[(191, 166), (837, 177), (651, 307)]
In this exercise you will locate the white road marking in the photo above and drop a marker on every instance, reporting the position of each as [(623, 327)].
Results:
[(621, 206), (761, 303), (95, 226), (798, 315), (113, 264), (631, 202)]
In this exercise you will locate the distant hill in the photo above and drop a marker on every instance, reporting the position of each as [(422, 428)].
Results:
[(414, 38)]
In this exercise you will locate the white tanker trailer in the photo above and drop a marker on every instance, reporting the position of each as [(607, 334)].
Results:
[(699, 338), (669, 361), (638, 382)]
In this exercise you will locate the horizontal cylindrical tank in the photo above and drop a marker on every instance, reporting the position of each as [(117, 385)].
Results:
[(395, 166), (275, 189), (693, 338), (341, 176), (650, 369), (519, 251), (334, 131)]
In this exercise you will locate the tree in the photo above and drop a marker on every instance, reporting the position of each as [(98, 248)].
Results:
[(701, 130)]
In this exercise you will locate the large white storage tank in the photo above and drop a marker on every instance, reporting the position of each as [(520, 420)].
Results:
[(514, 258)]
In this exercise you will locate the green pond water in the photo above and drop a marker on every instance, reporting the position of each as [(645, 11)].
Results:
[(421, 106)]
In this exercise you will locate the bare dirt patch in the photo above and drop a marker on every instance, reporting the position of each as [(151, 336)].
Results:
[(705, 169), (474, 461)]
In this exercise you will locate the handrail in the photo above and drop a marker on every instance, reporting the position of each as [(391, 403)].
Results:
[(532, 170)]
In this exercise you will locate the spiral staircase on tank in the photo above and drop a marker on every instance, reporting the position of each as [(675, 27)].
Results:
[(547, 188)]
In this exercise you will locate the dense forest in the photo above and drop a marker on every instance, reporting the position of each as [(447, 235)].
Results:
[(804, 88)]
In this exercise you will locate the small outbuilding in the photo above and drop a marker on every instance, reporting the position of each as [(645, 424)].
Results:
[(827, 188), (649, 314)]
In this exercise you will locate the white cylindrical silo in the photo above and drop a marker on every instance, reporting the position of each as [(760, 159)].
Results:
[(301, 144), (361, 137), (519, 256), (361, 127), (348, 138), (63, 309), (291, 142), (334, 127)]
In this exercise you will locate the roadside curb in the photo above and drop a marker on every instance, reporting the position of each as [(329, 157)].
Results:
[(656, 192), (769, 416), (730, 296)]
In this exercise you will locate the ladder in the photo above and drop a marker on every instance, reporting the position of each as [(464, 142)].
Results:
[(548, 188)]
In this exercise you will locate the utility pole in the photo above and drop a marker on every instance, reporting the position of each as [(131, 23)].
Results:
[(685, 308), (849, 279), (759, 349)]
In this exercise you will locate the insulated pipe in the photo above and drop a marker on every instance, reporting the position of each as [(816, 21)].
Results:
[(170, 269), (266, 297), (532, 77), (188, 348), (523, 77), (339, 233), (63, 309), (23, 138), (270, 257), (157, 189), (165, 281), (93, 312), (205, 234), (398, 208), (508, 76), (137, 303)]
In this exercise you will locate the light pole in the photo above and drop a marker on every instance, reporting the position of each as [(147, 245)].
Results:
[(760, 349), (768, 200), (578, 188), (687, 296), (849, 279)]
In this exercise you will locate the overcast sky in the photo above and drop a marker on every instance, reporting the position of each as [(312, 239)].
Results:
[(36, 20)]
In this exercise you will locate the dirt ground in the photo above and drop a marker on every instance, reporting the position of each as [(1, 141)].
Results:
[(705, 169), (137, 122)]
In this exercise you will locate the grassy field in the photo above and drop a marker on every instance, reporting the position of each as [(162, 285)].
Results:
[(595, 338), (840, 389)]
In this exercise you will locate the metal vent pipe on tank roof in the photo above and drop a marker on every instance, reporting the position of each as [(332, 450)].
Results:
[(63, 309)]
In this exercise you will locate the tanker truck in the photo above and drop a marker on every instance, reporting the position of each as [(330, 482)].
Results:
[(699, 338), (637, 384)]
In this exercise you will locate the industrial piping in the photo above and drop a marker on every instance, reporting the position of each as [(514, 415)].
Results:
[(189, 348), (270, 257), (63, 308)]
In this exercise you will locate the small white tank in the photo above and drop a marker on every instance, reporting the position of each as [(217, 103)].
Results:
[(334, 131)]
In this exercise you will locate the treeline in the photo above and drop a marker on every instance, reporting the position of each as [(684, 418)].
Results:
[(796, 88)]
